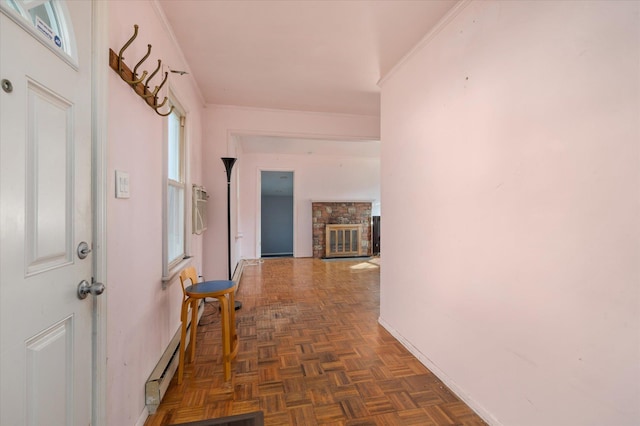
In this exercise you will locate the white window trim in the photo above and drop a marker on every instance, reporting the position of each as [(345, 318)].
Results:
[(171, 270), (70, 54)]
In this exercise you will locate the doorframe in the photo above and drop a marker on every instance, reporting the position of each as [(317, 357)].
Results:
[(99, 138), (259, 207)]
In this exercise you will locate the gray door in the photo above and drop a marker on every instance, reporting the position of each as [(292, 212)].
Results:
[(276, 213)]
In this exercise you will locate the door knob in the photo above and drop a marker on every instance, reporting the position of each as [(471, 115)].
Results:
[(84, 288)]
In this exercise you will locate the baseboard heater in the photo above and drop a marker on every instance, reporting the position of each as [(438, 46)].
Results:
[(161, 376)]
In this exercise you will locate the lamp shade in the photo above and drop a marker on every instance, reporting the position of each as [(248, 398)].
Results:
[(228, 165)]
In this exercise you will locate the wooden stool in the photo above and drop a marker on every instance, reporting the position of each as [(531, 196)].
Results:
[(223, 290)]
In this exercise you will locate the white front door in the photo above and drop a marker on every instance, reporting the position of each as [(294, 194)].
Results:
[(45, 213)]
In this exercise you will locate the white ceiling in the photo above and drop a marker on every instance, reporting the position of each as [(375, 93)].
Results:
[(324, 56), (308, 55)]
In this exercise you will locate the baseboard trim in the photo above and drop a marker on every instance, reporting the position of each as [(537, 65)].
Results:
[(160, 378), (143, 417), (158, 382), (237, 273), (448, 381)]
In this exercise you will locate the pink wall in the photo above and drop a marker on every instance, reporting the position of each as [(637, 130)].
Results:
[(316, 178), (142, 317), (223, 122), (510, 179)]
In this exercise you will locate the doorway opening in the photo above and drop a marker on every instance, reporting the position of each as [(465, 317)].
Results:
[(276, 196)]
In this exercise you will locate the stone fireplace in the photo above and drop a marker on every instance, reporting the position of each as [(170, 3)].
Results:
[(351, 238)]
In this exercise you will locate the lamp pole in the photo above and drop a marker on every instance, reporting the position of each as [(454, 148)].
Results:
[(228, 165)]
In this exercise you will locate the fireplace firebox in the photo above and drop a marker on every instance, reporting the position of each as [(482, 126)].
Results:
[(343, 240)]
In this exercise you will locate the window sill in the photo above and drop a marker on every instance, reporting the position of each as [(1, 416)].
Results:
[(175, 270)]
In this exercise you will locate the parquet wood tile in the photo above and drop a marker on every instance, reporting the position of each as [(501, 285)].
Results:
[(311, 353), (415, 417), (439, 416), (379, 405)]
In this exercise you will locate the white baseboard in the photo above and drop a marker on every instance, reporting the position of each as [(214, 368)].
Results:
[(452, 385), (143, 417), (159, 380)]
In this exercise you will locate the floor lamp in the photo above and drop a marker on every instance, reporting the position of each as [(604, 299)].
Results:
[(228, 165)]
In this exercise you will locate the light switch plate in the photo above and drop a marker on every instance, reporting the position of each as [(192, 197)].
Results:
[(122, 184)]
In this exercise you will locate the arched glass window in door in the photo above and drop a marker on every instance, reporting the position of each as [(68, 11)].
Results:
[(46, 19)]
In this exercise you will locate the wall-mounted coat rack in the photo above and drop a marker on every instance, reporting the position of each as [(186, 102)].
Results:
[(140, 84)]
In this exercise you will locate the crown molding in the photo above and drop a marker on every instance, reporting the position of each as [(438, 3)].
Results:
[(442, 23), (289, 111), (167, 26)]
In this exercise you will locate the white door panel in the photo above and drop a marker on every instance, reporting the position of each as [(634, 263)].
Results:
[(45, 212), (49, 188), (50, 361)]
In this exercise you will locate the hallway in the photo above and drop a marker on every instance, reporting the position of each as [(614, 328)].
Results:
[(311, 352)]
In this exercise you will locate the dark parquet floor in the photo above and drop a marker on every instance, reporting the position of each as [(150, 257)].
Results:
[(311, 353)]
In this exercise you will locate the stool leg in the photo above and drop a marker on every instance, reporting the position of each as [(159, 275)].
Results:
[(194, 328), (232, 325), (226, 343), (183, 338)]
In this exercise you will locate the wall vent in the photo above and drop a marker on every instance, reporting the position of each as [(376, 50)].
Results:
[(199, 209)]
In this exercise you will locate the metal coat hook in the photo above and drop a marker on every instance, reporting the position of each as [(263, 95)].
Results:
[(127, 44), (134, 82), (135, 69), (157, 89), (164, 115), (146, 83), (162, 104), (140, 85)]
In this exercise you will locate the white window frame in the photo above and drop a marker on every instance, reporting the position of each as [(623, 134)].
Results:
[(18, 11), (171, 267)]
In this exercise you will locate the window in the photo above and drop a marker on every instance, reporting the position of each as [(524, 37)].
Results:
[(46, 18), (175, 246)]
